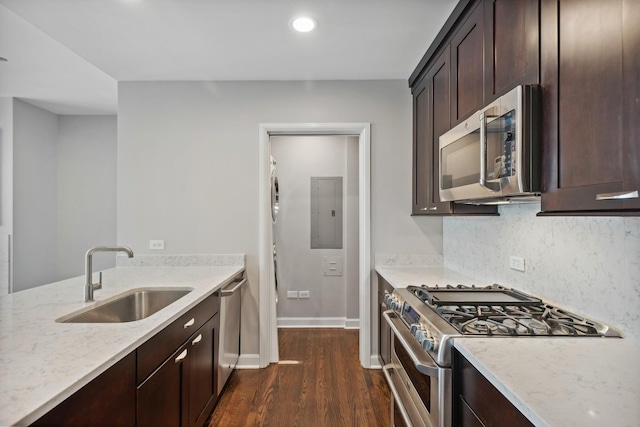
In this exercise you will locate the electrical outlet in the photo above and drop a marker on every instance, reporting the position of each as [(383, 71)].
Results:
[(292, 294), (304, 294), (156, 244), (516, 263)]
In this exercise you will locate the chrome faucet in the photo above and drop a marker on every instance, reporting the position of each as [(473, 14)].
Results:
[(89, 286)]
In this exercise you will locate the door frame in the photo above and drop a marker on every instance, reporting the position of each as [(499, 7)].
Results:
[(268, 322)]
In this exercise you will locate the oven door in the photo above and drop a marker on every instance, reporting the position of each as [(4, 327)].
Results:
[(421, 389)]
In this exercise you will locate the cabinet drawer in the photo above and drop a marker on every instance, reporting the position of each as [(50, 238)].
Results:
[(155, 351)]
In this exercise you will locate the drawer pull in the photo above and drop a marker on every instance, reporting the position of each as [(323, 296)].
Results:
[(618, 196), (434, 208), (181, 356), (190, 323), (197, 340)]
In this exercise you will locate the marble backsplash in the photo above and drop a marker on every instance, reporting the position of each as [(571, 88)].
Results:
[(409, 260), (590, 265), (180, 260)]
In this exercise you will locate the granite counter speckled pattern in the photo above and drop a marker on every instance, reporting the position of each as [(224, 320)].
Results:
[(44, 362), (563, 381)]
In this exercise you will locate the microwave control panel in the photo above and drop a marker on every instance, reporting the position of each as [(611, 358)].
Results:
[(503, 164)]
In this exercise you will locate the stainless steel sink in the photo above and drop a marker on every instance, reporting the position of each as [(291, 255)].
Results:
[(130, 306)]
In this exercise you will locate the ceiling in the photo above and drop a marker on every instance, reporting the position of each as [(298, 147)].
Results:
[(68, 55)]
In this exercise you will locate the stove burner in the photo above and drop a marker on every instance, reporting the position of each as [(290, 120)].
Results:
[(521, 316)]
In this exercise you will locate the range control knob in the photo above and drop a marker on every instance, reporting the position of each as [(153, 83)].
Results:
[(394, 304), (420, 335), (414, 329), (387, 299), (429, 344)]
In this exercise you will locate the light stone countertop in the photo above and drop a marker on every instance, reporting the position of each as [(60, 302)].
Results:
[(401, 277), (563, 382), (553, 381), (43, 362)]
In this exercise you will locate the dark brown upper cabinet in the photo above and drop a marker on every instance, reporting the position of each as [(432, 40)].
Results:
[(467, 71), (511, 46), (590, 62), (431, 118)]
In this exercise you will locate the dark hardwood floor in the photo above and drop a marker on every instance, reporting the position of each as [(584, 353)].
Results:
[(328, 387)]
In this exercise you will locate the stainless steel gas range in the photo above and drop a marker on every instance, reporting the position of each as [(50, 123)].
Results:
[(424, 323)]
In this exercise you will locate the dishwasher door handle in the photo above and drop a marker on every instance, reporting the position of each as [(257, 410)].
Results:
[(229, 292)]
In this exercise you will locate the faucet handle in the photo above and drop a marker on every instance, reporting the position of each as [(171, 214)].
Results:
[(99, 284)]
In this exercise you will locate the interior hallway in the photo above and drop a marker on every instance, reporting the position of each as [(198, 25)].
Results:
[(327, 387)]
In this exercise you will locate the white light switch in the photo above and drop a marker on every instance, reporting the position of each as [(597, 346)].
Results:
[(156, 244), (332, 266), (292, 294)]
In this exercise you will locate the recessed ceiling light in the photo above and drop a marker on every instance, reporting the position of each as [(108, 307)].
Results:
[(303, 24)]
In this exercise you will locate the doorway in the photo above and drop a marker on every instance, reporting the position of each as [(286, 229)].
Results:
[(315, 232), (268, 312)]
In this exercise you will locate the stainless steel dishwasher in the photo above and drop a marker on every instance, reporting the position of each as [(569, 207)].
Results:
[(229, 344)]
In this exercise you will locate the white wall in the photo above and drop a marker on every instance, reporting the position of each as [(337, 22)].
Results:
[(6, 190), (61, 193), (34, 196), (300, 267), (188, 161), (86, 176), (588, 264)]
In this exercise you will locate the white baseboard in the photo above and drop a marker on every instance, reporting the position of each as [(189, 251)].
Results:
[(376, 362), (352, 324), (318, 322), (248, 361)]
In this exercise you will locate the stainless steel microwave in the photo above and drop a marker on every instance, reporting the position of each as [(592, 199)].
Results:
[(493, 157)]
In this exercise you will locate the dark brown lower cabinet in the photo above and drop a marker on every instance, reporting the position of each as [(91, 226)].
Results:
[(477, 403), (203, 372), (182, 391), (170, 380), (162, 398), (384, 330), (108, 400)]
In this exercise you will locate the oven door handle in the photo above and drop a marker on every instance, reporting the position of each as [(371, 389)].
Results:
[(397, 400), (424, 365)]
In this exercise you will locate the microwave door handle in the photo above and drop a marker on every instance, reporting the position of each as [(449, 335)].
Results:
[(491, 186)]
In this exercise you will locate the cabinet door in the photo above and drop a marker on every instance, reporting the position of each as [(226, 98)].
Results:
[(202, 371), (440, 109), (511, 45), (108, 400), (421, 147), (467, 66), (590, 83), (162, 399), (431, 118)]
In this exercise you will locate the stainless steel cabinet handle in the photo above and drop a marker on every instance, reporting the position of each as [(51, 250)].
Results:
[(397, 401), (434, 208), (621, 195), (229, 292), (197, 339), (190, 323), (181, 356), (424, 209)]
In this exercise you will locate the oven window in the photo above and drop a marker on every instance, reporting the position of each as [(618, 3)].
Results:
[(421, 382)]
